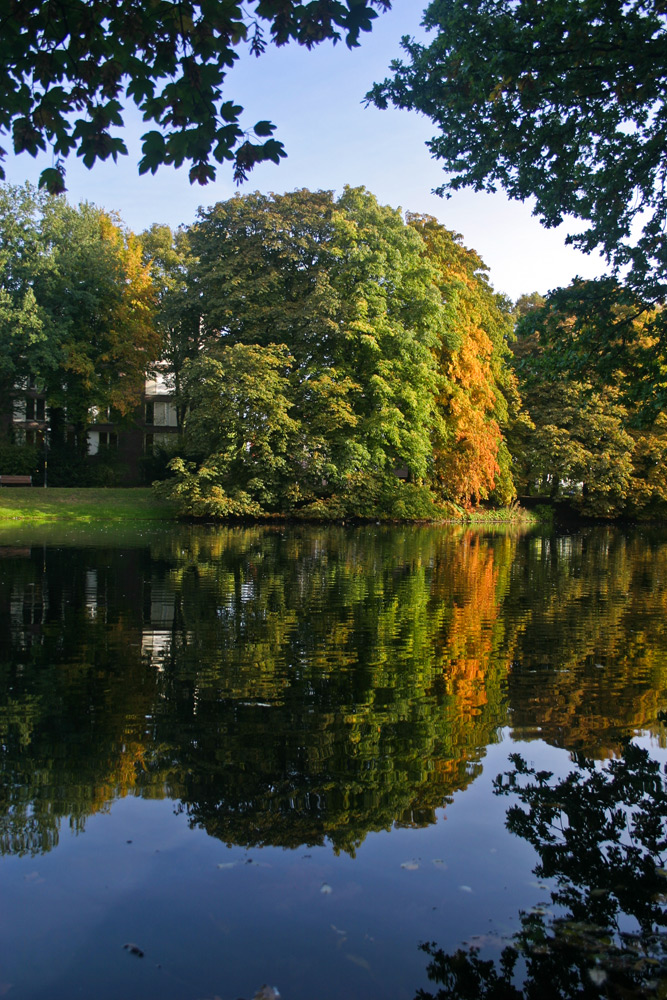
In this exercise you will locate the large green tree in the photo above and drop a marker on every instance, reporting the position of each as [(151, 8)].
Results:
[(178, 314), (68, 68), (592, 376), (21, 319), (344, 284), (76, 307), (600, 330), (564, 102)]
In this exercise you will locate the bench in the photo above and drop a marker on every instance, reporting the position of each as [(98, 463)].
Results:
[(15, 480)]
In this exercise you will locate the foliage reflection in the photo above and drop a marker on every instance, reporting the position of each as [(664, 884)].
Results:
[(292, 686), (601, 837)]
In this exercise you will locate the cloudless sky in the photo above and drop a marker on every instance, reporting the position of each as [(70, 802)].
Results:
[(316, 101)]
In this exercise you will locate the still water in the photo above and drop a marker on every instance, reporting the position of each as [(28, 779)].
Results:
[(250, 756)]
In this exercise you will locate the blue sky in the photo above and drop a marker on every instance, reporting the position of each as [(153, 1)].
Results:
[(316, 101)]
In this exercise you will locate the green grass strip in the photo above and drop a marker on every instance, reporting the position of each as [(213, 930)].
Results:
[(36, 504)]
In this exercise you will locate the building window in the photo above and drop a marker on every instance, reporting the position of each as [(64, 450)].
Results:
[(148, 444), (150, 413), (39, 409), (30, 408), (108, 440)]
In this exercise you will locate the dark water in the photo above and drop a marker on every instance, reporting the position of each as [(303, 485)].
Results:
[(267, 756)]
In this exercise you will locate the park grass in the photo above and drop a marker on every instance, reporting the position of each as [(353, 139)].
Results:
[(74, 505), (84, 506)]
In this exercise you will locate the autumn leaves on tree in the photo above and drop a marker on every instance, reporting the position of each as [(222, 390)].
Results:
[(331, 358), (355, 363)]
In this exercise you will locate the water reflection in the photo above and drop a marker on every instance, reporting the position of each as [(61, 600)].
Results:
[(290, 687), (601, 836)]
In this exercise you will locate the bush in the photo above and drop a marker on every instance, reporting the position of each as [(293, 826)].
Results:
[(20, 460), (371, 497)]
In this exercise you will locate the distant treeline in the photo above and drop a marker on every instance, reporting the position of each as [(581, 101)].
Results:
[(333, 358)]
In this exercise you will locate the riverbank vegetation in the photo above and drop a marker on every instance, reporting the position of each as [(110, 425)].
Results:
[(330, 358)]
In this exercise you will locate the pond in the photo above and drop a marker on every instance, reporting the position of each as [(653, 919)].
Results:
[(234, 757)]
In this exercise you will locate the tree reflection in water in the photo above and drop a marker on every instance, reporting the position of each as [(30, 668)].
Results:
[(601, 834)]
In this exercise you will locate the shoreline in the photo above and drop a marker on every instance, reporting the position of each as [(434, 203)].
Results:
[(39, 505)]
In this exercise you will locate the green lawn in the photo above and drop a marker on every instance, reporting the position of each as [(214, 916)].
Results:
[(34, 503)]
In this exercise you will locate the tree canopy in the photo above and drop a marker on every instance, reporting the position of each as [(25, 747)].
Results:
[(76, 307), (564, 102), (68, 69), (353, 362)]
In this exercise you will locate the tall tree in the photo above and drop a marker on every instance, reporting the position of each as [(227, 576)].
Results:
[(470, 458), (69, 67), (344, 284), (21, 251), (565, 102), (592, 375), (76, 307), (97, 295), (179, 309), (601, 331)]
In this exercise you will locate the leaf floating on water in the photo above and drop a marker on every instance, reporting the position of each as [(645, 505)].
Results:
[(597, 976), (326, 889), (337, 930), (267, 993), (133, 949), (410, 866), (439, 863), (227, 864), (358, 960), (465, 888)]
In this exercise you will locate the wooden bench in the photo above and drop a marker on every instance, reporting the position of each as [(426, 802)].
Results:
[(15, 480)]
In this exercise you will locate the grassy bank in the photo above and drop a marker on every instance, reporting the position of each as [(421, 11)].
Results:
[(86, 506), (35, 505)]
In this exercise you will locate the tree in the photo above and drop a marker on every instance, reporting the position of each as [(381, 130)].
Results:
[(345, 285), (599, 330), (593, 380), (470, 458), (76, 307), (21, 318), (178, 316), (564, 102), (69, 67), (239, 419), (97, 297), (572, 440)]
